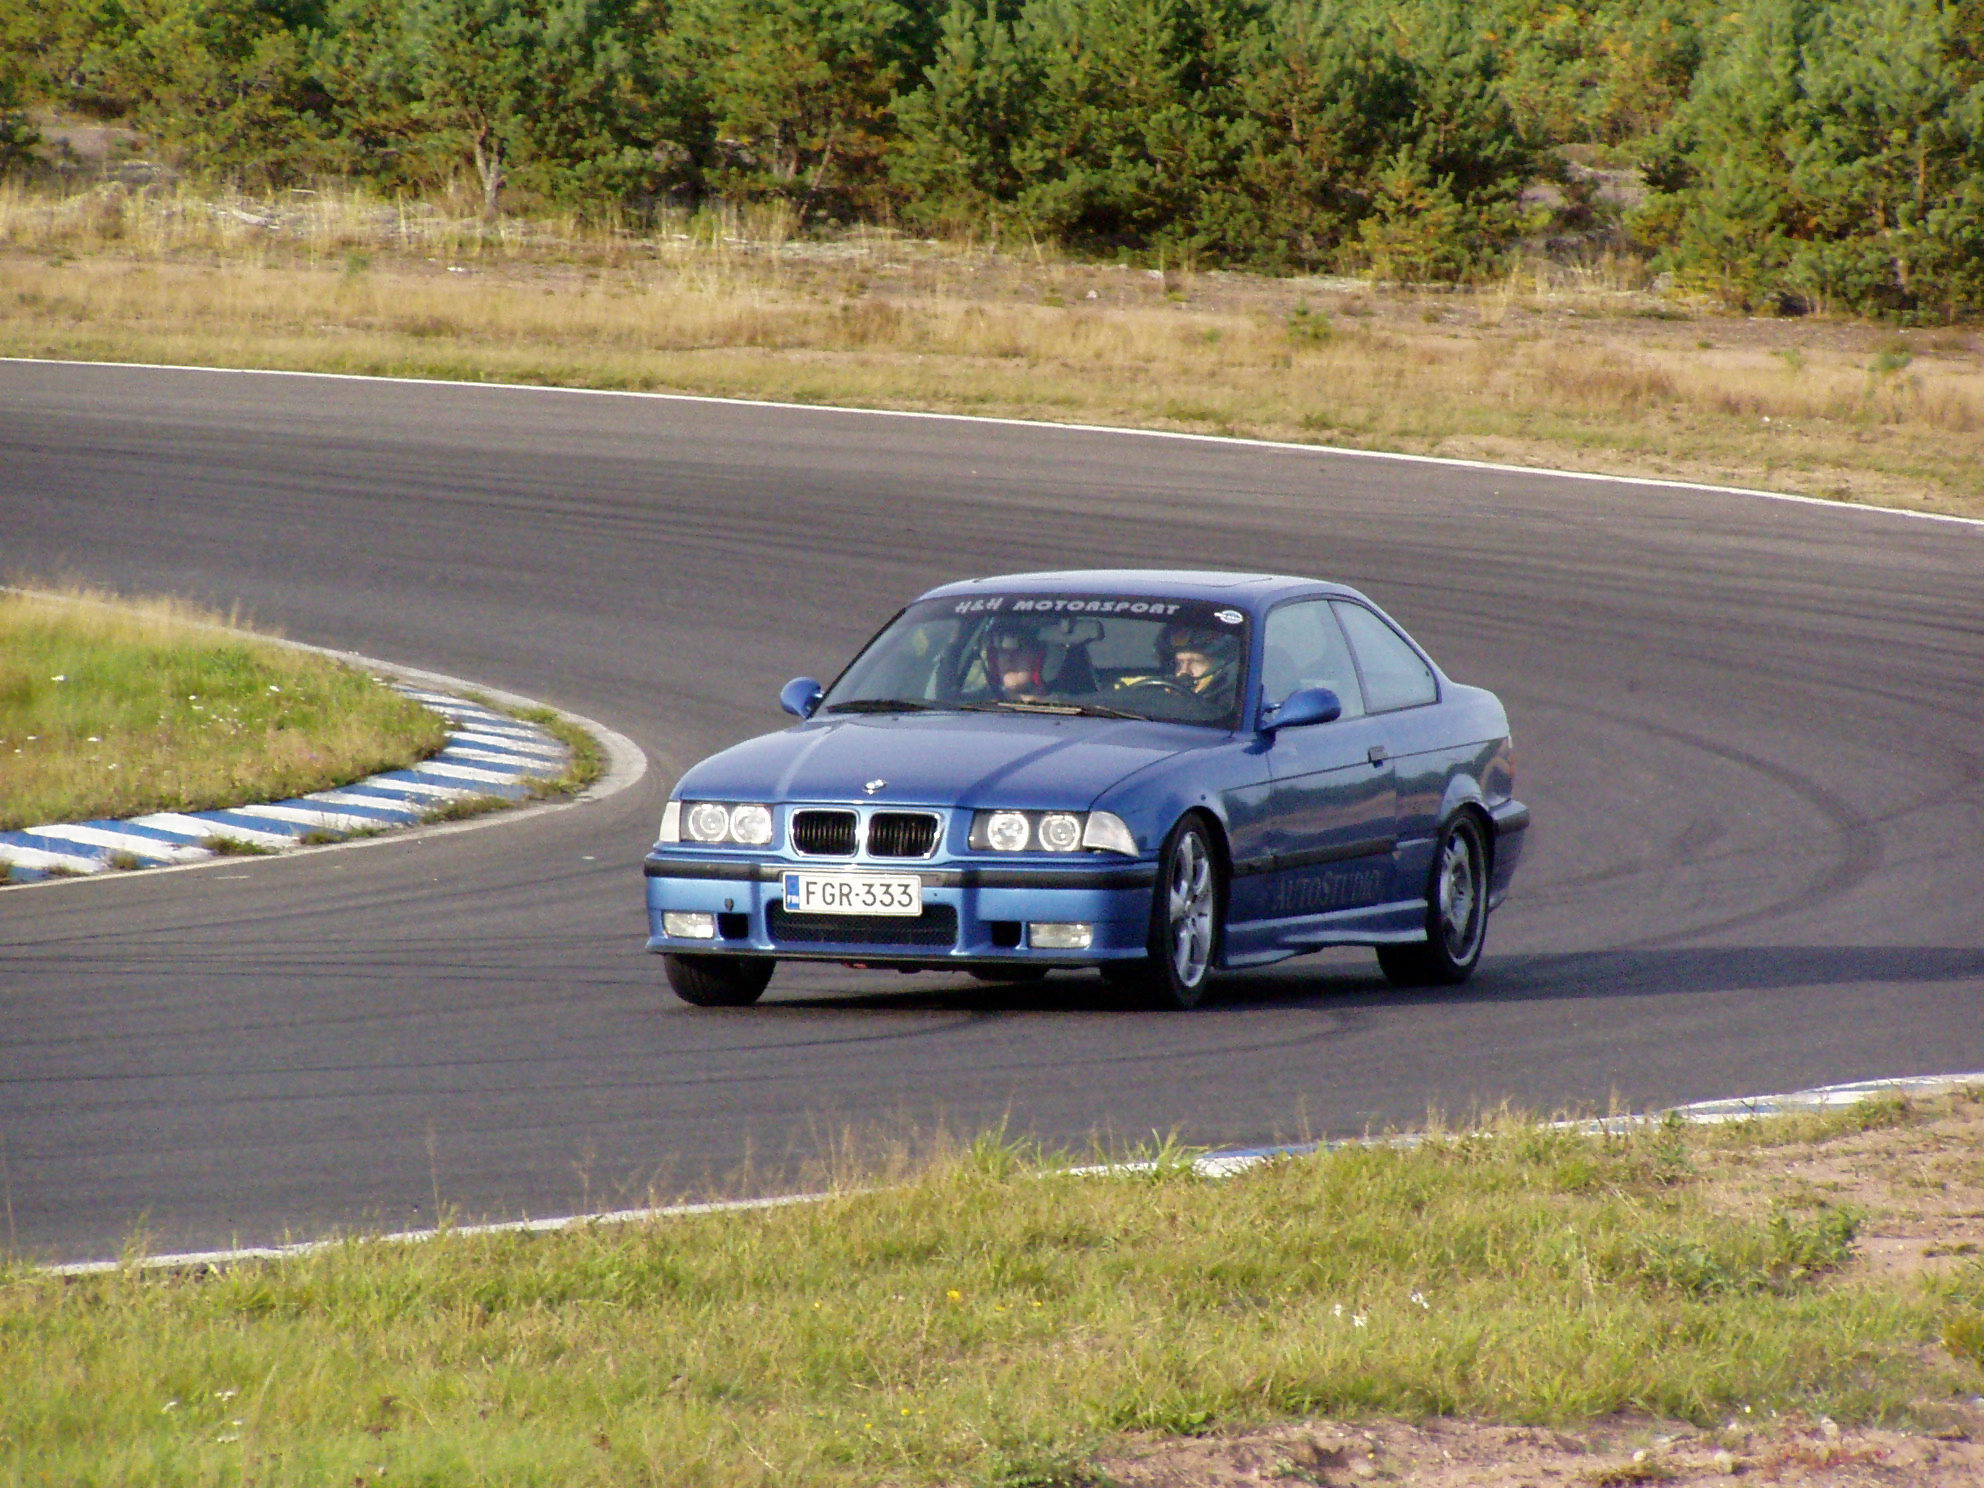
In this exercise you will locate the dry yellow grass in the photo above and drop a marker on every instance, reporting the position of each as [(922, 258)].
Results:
[(1585, 374)]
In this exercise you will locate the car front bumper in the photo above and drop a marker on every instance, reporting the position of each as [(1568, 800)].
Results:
[(973, 913)]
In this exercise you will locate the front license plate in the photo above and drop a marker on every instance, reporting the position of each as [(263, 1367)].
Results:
[(854, 893)]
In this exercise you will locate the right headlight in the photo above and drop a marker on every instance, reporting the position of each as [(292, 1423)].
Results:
[(709, 822), (1051, 832), (717, 823)]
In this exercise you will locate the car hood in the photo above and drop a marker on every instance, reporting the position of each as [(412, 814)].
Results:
[(943, 759)]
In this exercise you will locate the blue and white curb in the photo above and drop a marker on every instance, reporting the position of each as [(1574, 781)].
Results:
[(1223, 1163), (487, 754)]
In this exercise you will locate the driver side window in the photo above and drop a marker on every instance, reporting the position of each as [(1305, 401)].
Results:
[(1303, 647)]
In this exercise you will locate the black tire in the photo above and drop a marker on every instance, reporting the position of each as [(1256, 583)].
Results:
[(1188, 903), (1456, 913), (719, 981), (1007, 973)]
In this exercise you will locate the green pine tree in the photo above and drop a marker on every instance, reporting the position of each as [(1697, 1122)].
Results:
[(1831, 154), (548, 97), (964, 132), (797, 94), (222, 87), (17, 136)]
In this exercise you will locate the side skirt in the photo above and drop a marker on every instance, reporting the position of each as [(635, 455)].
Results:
[(1400, 922)]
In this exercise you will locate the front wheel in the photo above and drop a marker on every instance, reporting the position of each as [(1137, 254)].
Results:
[(718, 981), (1456, 914), (1184, 923)]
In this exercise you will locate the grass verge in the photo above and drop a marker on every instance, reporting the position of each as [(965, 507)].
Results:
[(235, 847), (984, 1316), (112, 708), (584, 763), (1551, 367), (464, 808)]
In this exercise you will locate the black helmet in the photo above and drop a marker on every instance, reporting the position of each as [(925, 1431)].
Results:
[(1220, 647)]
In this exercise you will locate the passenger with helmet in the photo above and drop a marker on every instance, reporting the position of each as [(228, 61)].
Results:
[(1014, 657)]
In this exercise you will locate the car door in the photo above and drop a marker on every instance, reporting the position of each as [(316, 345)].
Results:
[(1400, 689), (1332, 799)]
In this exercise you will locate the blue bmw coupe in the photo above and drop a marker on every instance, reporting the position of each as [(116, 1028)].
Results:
[(1153, 774)]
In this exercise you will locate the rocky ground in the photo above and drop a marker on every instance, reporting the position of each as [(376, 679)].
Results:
[(1472, 1454)]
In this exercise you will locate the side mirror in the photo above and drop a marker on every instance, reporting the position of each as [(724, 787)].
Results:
[(1310, 705), (801, 696)]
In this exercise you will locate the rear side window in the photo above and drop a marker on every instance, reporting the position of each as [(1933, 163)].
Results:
[(1394, 674), (1304, 648)]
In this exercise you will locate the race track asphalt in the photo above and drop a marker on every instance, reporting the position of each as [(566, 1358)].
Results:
[(1751, 732)]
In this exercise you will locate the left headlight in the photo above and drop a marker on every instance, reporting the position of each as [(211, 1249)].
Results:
[(1051, 832), (751, 826), (717, 823)]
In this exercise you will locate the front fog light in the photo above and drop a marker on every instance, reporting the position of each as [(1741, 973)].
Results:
[(1053, 937), (750, 825), (1060, 832), (677, 925), (1008, 831), (708, 822)]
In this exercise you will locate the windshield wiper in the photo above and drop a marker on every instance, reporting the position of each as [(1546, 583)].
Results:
[(1058, 710), (882, 705)]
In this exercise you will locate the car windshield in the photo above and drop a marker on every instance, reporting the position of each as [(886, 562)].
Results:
[(1112, 656)]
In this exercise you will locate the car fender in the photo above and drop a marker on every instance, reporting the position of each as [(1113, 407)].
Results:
[(1506, 820), (1232, 791), (1463, 791)]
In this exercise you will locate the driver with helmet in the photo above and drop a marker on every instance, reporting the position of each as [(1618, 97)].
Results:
[(1198, 663), (1199, 659)]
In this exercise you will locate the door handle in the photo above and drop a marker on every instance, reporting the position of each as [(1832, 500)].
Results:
[(1377, 754)]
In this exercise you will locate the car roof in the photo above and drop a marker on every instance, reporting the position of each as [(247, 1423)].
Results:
[(1254, 590)]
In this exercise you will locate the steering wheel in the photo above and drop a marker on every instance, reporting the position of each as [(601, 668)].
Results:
[(1171, 685)]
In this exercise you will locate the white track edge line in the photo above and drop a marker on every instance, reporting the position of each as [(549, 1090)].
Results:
[(1347, 451), (1211, 1165)]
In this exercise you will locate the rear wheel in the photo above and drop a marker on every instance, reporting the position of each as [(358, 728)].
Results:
[(1456, 913), (1184, 923), (719, 981)]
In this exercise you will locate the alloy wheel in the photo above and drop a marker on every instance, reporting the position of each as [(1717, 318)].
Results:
[(1460, 896), (1189, 904)]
